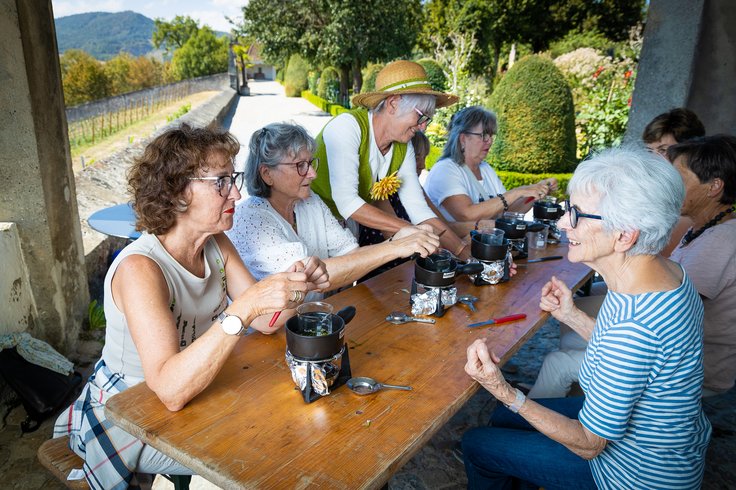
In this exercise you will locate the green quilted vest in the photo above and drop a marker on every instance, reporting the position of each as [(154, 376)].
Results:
[(321, 185)]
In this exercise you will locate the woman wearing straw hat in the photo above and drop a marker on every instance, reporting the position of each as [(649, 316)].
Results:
[(365, 155)]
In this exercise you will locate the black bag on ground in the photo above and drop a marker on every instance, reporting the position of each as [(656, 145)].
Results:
[(41, 391)]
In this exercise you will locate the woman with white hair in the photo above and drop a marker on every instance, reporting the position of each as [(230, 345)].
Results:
[(283, 221), (640, 424), (466, 188), (366, 156)]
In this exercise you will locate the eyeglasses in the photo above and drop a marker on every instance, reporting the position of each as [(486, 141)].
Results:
[(224, 183), (575, 214), (486, 137), (423, 118), (302, 167)]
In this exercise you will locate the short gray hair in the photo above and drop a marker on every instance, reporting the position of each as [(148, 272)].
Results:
[(462, 122), (424, 102), (268, 147), (639, 191)]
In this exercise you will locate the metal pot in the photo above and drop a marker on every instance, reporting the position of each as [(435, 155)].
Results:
[(481, 249), (544, 210), (440, 270), (320, 347)]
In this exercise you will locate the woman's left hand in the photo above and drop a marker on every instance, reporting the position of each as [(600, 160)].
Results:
[(482, 366), (551, 184), (317, 276), (512, 268)]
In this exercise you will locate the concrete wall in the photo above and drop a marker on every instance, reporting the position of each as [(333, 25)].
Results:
[(17, 304), (120, 102), (688, 60), (37, 189)]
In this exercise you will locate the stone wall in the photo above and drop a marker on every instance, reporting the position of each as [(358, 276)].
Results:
[(132, 99), (104, 184)]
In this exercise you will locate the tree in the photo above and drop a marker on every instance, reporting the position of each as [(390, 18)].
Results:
[(117, 70), (203, 54), (175, 34), (82, 77), (337, 33)]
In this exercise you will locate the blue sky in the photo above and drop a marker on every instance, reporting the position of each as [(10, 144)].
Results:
[(210, 12)]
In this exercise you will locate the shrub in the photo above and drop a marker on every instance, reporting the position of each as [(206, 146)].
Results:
[(280, 75), (512, 180), (576, 39), (328, 87), (295, 78), (369, 77), (312, 80), (323, 104), (536, 120), (435, 75)]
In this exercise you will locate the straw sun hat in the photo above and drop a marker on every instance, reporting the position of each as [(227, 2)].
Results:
[(402, 77)]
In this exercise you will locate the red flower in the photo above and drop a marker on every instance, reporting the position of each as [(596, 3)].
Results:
[(597, 72), (629, 102), (628, 74)]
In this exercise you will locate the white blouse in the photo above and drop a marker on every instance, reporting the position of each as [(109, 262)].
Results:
[(268, 244)]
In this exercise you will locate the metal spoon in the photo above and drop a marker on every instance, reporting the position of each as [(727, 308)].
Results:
[(367, 386), (468, 299), (398, 318)]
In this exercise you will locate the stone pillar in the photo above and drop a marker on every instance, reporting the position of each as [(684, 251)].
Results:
[(37, 190), (688, 60)]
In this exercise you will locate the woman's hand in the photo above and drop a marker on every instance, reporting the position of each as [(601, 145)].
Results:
[(512, 268), (551, 184), (482, 366), (317, 276), (276, 292), (537, 191), (415, 239), (557, 299)]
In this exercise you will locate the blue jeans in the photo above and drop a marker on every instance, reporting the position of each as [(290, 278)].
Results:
[(511, 454)]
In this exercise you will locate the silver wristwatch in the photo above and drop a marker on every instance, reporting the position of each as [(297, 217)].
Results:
[(231, 324)]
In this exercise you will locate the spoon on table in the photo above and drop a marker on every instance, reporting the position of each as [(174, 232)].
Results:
[(367, 386), (469, 300), (397, 317)]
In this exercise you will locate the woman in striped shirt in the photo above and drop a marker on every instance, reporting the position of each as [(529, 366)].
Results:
[(640, 424)]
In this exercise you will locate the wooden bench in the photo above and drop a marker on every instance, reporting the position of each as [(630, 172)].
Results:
[(56, 456)]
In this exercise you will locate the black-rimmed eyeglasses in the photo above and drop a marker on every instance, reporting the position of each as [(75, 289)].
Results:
[(486, 137), (423, 118), (224, 183), (302, 167), (575, 214)]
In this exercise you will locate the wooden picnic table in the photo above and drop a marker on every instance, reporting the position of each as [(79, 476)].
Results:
[(251, 428)]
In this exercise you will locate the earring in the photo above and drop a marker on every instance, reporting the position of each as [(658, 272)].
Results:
[(462, 149)]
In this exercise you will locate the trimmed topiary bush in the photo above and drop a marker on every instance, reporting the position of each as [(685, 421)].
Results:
[(295, 78), (536, 119), (329, 85), (435, 75), (369, 77)]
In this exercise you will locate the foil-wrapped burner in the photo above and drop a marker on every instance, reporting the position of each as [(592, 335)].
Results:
[(425, 301), (492, 270), (323, 373)]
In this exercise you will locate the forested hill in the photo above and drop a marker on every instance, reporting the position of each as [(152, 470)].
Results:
[(105, 34)]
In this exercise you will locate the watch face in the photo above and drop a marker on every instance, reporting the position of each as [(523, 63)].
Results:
[(232, 325)]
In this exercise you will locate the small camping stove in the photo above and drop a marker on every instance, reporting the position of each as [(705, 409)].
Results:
[(431, 300), (317, 378), (547, 211), (496, 259)]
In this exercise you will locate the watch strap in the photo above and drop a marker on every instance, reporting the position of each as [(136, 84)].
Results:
[(221, 317), (518, 402)]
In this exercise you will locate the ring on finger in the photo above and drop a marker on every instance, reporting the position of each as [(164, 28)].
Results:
[(294, 296)]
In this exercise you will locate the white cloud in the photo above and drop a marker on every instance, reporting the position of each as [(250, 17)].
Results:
[(62, 8)]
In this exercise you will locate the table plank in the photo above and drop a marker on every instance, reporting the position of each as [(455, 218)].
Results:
[(251, 428)]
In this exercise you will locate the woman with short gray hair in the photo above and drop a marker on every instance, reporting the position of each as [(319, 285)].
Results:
[(640, 423), (283, 218), (463, 186)]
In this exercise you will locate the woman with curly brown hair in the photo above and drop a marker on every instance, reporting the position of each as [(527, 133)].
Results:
[(169, 288)]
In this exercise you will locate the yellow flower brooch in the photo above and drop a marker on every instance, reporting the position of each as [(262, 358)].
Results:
[(387, 186)]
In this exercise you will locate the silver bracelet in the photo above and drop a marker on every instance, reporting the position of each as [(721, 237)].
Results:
[(518, 402)]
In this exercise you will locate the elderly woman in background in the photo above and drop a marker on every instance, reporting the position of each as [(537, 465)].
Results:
[(463, 186), (283, 221), (640, 424), (365, 156), (707, 252), (169, 288)]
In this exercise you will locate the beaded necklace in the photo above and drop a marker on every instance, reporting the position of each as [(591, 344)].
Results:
[(692, 235)]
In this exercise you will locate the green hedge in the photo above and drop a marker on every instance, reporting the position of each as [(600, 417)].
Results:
[(435, 75), (328, 87), (295, 78), (323, 104), (369, 77), (536, 119)]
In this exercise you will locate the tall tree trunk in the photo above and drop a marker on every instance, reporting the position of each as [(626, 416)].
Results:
[(344, 84), (243, 71), (357, 76)]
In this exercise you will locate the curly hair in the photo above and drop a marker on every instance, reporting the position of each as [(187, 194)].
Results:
[(158, 178)]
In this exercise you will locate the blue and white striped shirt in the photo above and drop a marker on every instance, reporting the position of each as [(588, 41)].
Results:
[(642, 376)]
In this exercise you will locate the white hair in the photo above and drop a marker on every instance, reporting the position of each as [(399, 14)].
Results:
[(638, 191), (407, 102)]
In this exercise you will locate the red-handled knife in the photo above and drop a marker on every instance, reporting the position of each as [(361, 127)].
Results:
[(496, 321)]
